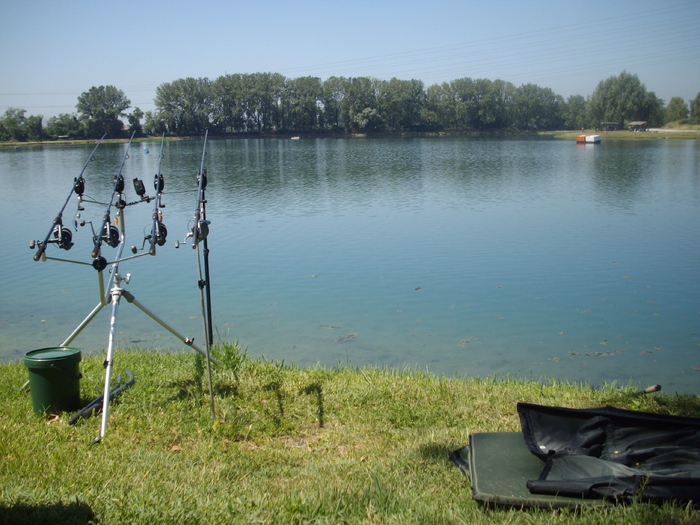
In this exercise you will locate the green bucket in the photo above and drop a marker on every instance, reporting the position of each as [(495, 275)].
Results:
[(54, 379)]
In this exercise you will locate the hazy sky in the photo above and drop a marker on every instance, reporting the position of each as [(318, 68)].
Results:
[(52, 51)]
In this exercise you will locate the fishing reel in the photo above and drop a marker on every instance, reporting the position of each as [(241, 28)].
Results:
[(159, 232), (60, 236), (110, 235), (199, 232), (158, 236), (159, 183)]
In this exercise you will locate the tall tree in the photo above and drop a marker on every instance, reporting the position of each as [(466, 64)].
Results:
[(695, 111), (14, 124), (402, 102), (303, 98), (64, 125), (676, 110), (264, 92), (185, 105), (34, 127), (621, 99), (440, 102), (537, 108), (360, 95), (466, 98), (334, 92), (101, 109), (228, 102), (575, 112), (153, 124), (135, 120)]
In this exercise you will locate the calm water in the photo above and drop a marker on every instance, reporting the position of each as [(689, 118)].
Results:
[(533, 258)]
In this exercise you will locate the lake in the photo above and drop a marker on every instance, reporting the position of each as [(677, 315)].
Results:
[(527, 258)]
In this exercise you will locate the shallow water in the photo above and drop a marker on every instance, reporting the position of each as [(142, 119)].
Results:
[(529, 258)]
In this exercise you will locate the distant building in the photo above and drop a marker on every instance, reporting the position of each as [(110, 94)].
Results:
[(638, 125), (609, 126)]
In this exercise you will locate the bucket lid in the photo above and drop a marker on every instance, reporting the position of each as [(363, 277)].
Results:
[(48, 357)]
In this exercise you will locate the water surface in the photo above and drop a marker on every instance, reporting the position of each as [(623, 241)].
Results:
[(530, 258)]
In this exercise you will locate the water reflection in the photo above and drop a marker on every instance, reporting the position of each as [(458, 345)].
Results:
[(480, 257)]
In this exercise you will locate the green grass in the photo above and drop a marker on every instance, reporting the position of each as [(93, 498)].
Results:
[(290, 445), (688, 132)]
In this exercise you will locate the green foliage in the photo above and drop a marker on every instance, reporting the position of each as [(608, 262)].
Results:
[(271, 103), (300, 104), (676, 110), (576, 113), (402, 102), (100, 110), (135, 121), (185, 105), (64, 125), (537, 108), (15, 126), (695, 112), (622, 99), (289, 445)]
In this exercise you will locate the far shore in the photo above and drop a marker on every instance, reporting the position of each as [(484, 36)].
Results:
[(692, 133)]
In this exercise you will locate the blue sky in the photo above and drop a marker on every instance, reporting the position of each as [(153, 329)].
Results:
[(52, 51)]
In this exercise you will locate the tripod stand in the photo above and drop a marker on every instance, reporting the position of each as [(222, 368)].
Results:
[(114, 292), (114, 296)]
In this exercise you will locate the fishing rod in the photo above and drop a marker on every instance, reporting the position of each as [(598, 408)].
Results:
[(158, 231), (63, 236), (199, 234), (107, 232), (114, 235)]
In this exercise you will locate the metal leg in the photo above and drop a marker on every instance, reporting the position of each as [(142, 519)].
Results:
[(116, 293), (82, 325), (109, 361), (187, 340)]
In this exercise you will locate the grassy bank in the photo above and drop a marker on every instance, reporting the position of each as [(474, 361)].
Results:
[(660, 134), (289, 445)]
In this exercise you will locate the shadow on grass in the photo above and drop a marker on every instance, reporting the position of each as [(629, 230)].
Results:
[(315, 389), (276, 387), (77, 513), (436, 452)]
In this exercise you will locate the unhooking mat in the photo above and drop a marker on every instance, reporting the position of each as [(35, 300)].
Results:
[(568, 457)]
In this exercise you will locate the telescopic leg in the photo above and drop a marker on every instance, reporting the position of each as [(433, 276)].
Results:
[(82, 325), (188, 341), (109, 362)]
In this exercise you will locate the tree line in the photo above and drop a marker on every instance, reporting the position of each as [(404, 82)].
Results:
[(266, 103)]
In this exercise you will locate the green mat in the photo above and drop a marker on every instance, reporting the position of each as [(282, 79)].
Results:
[(499, 465)]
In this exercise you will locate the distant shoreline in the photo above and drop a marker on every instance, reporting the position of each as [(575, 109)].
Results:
[(652, 134)]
